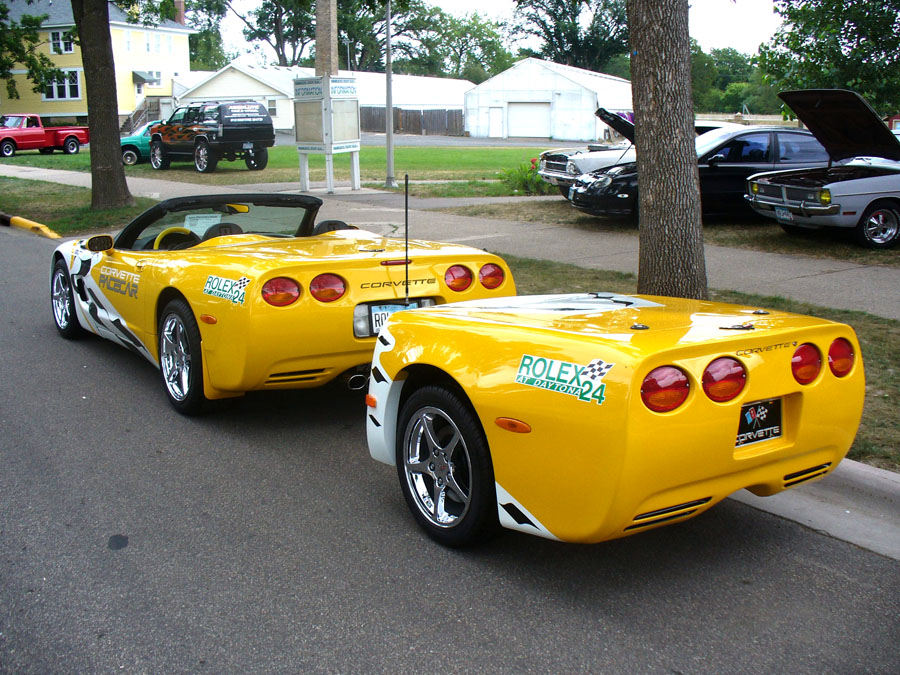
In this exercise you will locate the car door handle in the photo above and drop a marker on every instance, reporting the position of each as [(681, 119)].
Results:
[(139, 266)]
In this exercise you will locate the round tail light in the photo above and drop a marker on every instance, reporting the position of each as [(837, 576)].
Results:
[(724, 379), (665, 388), (327, 287), (806, 363), (491, 276), (458, 278), (281, 291), (841, 357)]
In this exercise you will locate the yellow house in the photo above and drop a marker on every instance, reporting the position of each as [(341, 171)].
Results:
[(147, 58)]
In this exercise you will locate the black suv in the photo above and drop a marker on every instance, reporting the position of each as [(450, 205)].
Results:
[(209, 131)]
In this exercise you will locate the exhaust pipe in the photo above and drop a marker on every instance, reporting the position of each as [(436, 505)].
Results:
[(357, 382)]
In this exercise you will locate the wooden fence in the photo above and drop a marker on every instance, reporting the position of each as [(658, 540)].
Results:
[(420, 122)]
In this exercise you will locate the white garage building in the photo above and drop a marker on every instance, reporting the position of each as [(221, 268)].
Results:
[(538, 98)]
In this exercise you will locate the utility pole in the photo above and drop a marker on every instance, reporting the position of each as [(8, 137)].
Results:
[(389, 104)]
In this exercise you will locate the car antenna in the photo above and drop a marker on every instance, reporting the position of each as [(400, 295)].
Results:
[(406, 233)]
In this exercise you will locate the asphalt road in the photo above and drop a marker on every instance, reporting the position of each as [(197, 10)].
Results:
[(263, 539)]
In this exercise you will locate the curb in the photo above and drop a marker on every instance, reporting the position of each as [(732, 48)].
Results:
[(30, 225)]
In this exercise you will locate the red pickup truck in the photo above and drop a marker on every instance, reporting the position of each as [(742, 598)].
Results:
[(26, 132)]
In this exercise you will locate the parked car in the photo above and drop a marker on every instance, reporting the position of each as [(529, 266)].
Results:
[(860, 187), (27, 132), (136, 147), (212, 131), (587, 417), (562, 166), (233, 293), (726, 157)]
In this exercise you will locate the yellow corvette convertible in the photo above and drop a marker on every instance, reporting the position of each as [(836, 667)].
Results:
[(233, 293), (594, 416)]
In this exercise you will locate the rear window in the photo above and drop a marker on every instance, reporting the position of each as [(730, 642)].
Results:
[(242, 113)]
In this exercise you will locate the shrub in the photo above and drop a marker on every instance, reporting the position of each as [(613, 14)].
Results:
[(525, 179)]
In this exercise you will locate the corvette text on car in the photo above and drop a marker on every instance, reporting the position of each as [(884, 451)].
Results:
[(588, 417), (233, 293)]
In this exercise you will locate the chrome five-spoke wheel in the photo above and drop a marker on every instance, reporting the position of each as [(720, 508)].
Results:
[(180, 358), (879, 227)]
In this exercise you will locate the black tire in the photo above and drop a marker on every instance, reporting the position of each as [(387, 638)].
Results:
[(256, 160), (458, 468), (130, 156), (181, 359), (205, 159), (159, 158), (880, 226), (7, 148), (62, 303), (71, 146), (45, 151)]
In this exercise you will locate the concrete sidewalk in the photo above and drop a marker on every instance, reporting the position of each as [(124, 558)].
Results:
[(857, 503)]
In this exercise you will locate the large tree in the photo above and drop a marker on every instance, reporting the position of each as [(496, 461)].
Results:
[(19, 45), (582, 33), (287, 26), (848, 44), (108, 186), (671, 259)]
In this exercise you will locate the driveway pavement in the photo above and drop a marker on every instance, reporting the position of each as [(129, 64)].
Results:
[(857, 503)]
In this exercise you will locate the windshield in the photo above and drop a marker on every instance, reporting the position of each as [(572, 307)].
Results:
[(10, 122), (709, 140)]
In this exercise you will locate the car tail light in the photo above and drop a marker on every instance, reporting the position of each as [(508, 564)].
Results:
[(724, 379), (665, 388), (327, 287), (841, 357), (491, 276), (458, 278), (281, 291), (806, 363)]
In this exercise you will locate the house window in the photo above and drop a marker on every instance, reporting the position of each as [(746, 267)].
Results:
[(157, 41), (60, 43), (147, 41), (65, 88), (169, 43), (271, 104), (127, 40), (155, 78)]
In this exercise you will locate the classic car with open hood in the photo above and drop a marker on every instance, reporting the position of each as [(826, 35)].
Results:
[(591, 416), (233, 293), (860, 187)]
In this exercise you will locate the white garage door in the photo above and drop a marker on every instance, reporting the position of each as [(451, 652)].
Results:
[(529, 119)]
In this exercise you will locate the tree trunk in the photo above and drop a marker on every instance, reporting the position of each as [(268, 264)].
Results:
[(671, 260), (108, 186)]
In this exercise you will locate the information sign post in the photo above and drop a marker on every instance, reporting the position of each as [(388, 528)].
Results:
[(326, 120)]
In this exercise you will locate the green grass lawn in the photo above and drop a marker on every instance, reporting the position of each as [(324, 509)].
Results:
[(468, 163)]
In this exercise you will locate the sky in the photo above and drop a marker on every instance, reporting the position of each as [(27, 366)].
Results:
[(715, 24)]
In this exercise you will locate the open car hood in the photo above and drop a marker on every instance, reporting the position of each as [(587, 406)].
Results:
[(617, 122), (843, 122)]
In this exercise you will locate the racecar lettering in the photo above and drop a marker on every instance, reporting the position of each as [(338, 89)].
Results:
[(758, 435), (769, 348), (563, 377), (228, 289), (389, 284), (119, 281)]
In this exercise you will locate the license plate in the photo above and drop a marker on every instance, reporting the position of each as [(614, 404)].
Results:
[(379, 314), (782, 215), (760, 421), (248, 146)]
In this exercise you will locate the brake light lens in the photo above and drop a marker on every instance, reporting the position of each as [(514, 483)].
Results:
[(491, 276), (458, 277), (327, 287), (281, 291), (724, 379), (806, 363), (841, 357), (665, 388)]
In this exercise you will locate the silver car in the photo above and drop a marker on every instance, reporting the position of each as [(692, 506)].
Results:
[(860, 187)]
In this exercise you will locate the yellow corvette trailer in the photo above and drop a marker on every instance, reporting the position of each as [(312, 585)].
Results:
[(594, 416)]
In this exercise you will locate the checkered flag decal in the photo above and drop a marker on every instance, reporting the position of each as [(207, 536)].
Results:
[(241, 283), (596, 369)]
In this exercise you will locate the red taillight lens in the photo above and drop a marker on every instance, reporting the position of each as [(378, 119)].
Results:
[(458, 278), (491, 276), (665, 388), (724, 379), (281, 291), (327, 287), (806, 363), (841, 357)]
